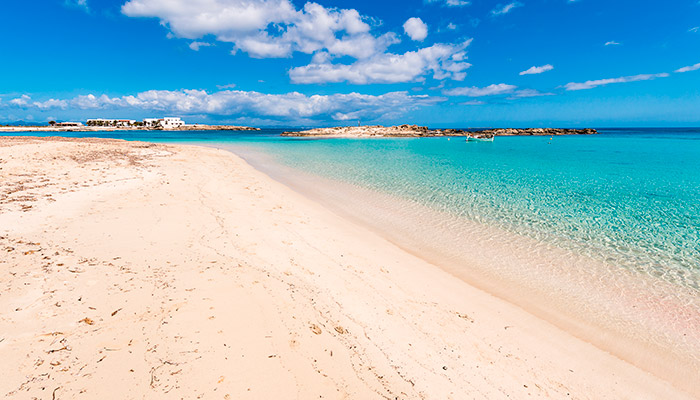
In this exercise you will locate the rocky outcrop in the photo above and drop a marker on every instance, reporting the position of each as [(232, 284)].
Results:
[(365, 131), (422, 131)]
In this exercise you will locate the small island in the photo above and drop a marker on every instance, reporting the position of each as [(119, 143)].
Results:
[(423, 131), (101, 124)]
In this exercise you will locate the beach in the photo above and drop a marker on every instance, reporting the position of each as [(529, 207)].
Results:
[(139, 270)]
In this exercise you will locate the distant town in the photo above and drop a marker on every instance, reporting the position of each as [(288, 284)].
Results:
[(155, 123), (100, 124), (165, 123)]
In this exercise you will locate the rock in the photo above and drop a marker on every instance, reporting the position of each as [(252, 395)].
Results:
[(423, 131)]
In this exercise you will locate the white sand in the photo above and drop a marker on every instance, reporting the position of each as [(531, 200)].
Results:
[(150, 271)]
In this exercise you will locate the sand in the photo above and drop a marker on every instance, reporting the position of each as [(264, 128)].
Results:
[(134, 270)]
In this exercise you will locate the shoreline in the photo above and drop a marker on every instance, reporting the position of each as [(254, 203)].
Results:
[(531, 292), (323, 305)]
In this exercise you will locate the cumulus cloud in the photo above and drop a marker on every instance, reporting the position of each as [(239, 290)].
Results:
[(276, 28), (474, 91), (612, 43), (25, 101), (442, 60), (537, 70), (602, 82), (21, 101), (689, 68), (50, 103), (416, 29), (266, 28), (505, 9), (288, 107)]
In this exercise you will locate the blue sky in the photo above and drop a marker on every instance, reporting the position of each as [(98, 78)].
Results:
[(281, 62)]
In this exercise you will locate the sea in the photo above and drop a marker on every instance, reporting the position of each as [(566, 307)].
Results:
[(598, 234)]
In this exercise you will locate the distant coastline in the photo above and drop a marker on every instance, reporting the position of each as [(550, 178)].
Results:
[(423, 131), (84, 128)]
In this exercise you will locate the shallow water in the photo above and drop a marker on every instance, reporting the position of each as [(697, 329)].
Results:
[(630, 198)]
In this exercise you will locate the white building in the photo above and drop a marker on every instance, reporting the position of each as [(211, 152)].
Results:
[(125, 122), (165, 123), (111, 122), (151, 122), (172, 123)]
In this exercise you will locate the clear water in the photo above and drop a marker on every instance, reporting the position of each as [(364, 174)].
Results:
[(593, 211), (628, 198)]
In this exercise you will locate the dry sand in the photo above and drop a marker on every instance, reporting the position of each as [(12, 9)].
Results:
[(133, 270)]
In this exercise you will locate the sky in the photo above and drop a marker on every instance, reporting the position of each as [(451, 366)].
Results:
[(440, 63)]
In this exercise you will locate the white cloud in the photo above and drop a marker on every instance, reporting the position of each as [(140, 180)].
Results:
[(451, 26), (500, 10), (198, 45), (25, 101), (612, 43), (50, 103), (267, 28), (474, 91), (90, 101), (21, 101), (689, 68), (525, 93), (694, 29), (537, 70), (442, 60), (289, 107), (276, 28), (494, 90), (228, 86), (603, 82), (451, 3), (472, 103), (416, 29), (78, 3)]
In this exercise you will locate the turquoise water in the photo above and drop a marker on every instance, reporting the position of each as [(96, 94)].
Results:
[(630, 198), (603, 230)]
